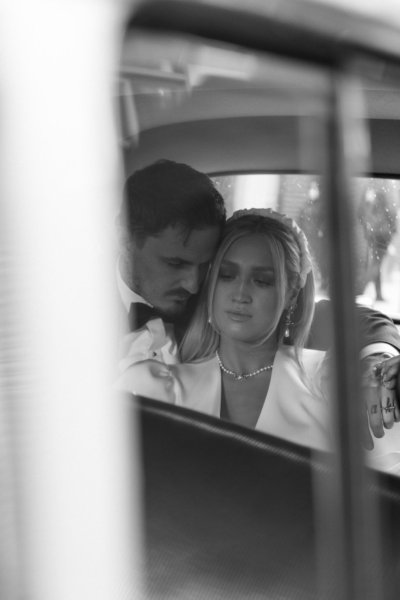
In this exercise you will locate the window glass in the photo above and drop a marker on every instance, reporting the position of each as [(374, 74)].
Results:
[(264, 128), (376, 235)]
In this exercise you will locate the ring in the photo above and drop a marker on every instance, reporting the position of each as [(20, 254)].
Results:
[(377, 370), (388, 408)]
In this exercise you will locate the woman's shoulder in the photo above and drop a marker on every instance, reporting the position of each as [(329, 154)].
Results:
[(307, 356), (310, 367)]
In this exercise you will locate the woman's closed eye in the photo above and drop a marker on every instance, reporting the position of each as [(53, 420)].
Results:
[(261, 282), (264, 281), (175, 263), (226, 274)]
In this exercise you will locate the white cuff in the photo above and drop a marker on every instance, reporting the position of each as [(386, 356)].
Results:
[(378, 348)]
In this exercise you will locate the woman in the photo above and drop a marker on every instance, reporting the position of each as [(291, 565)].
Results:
[(259, 293), (261, 290)]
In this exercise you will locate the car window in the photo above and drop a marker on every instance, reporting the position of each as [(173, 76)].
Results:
[(303, 138), (376, 235)]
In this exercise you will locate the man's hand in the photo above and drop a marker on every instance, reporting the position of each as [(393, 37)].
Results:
[(379, 378)]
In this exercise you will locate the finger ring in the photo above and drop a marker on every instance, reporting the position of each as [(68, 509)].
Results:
[(377, 370), (388, 407)]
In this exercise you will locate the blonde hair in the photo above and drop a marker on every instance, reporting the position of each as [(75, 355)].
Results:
[(202, 339)]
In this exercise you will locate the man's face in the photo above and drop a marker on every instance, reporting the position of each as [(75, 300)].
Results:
[(169, 268)]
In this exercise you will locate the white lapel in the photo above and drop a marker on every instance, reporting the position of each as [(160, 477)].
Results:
[(199, 386)]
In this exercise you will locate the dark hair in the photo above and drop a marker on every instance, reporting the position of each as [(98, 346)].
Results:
[(168, 193)]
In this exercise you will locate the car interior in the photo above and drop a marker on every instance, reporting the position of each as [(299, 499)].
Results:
[(294, 108)]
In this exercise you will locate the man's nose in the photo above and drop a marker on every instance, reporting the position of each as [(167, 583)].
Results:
[(192, 279)]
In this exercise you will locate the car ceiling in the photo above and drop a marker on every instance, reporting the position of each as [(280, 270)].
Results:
[(177, 92)]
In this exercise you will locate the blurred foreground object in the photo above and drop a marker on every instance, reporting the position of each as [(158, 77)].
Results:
[(67, 504)]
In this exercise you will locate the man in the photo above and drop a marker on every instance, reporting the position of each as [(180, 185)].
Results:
[(171, 222), (172, 217)]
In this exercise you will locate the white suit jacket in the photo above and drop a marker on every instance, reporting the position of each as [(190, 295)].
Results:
[(295, 407)]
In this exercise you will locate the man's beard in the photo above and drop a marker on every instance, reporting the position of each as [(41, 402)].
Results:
[(179, 318), (184, 304), (174, 316)]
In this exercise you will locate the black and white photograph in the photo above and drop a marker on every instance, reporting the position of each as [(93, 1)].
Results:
[(200, 300)]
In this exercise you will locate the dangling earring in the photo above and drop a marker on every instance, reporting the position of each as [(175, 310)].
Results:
[(288, 320)]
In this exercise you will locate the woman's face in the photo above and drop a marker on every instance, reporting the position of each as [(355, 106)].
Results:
[(246, 295)]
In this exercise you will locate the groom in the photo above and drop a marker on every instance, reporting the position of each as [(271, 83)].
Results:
[(170, 221)]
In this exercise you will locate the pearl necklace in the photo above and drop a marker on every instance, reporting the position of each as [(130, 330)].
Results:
[(241, 376)]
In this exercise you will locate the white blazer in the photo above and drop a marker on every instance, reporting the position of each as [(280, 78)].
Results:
[(295, 407)]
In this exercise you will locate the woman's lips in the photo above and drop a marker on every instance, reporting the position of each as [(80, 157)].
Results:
[(238, 316)]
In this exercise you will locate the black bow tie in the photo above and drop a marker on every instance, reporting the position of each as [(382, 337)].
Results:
[(140, 314)]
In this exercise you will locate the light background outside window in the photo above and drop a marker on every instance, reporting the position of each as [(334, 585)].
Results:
[(376, 229)]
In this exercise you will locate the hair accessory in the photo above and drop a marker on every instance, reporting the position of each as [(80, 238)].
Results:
[(305, 258), (241, 376)]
